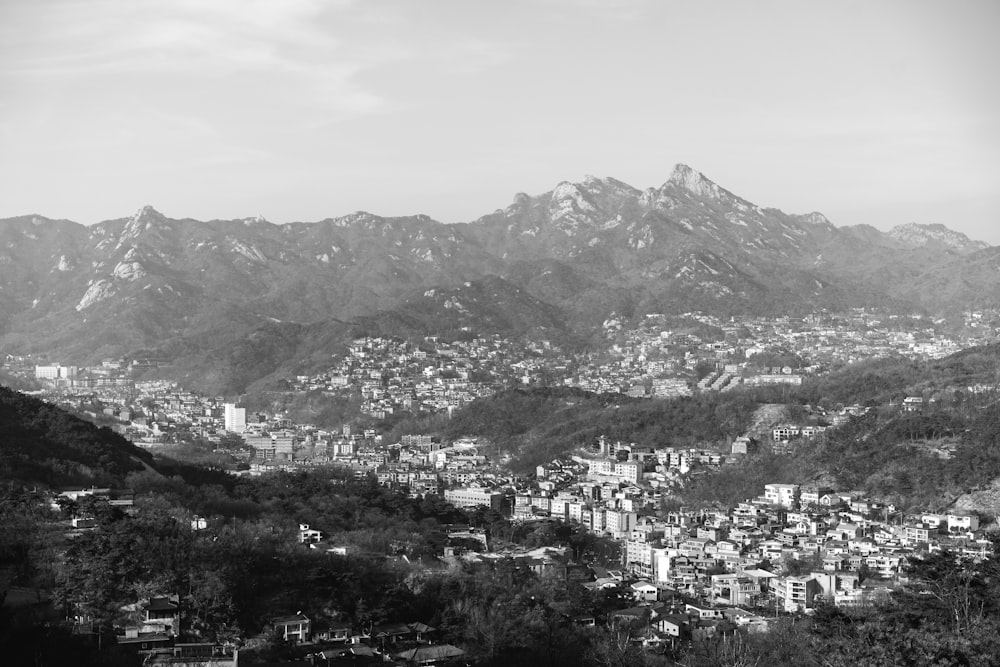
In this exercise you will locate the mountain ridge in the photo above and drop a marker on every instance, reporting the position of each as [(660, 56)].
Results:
[(578, 253)]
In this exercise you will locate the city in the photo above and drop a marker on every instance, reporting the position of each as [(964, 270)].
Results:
[(681, 573)]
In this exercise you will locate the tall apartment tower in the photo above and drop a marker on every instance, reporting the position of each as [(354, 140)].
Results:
[(235, 418)]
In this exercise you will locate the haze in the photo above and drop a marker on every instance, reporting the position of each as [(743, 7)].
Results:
[(878, 113)]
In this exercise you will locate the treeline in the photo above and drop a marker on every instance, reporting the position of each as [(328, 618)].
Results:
[(44, 444)]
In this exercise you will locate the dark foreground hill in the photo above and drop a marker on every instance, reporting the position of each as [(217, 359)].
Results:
[(43, 444)]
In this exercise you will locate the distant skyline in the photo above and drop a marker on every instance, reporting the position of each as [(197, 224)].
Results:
[(879, 113)]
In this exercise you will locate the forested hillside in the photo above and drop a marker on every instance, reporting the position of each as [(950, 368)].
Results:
[(42, 444), (537, 425)]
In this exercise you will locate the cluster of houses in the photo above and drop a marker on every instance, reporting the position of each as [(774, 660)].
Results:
[(649, 359), (789, 548), (332, 642), (154, 637), (434, 376)]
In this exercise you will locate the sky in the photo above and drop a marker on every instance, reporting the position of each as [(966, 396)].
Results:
[(878, 113)]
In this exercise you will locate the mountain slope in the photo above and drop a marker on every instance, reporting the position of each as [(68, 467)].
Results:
[(564, 260)]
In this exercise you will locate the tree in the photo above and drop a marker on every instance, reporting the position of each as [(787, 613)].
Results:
[(948, 589)]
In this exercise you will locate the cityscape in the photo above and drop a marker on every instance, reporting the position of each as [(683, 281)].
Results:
[(542, 333), (682, 573)]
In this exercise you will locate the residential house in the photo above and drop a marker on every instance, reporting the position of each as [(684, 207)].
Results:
[(441, 654), (309, 536), (643, 591), (295, 628)]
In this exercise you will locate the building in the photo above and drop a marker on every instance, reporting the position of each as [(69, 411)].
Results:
[(618, 522), (55, 372), (797, 593), (629, 471), (785, 432), (962, 521), (284, 444), (293, 628), (783, 495), (235, 418), (743, 445), (474, 498)]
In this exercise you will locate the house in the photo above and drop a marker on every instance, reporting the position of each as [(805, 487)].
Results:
[(331, 632), (358, 654), (745, 619), (734, 589), (200, 654), (962, 522), (705, 629), (744, 445), (702, 612), (643, 591), (762, 578), (422, 632), (296, 628), (144, 643), (163, 615), (309, 536), (830, 500), (391, 634), (673, 625), (630, 615), (430, 655)]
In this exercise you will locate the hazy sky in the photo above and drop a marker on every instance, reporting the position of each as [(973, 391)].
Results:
[(870, 112)]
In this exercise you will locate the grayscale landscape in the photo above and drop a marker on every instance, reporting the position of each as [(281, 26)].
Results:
[(735, 402)]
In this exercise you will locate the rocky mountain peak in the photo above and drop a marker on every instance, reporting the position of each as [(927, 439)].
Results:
[(694, 182), (815, 218), (358, 218), (147, 212), (145, 219), (936, 235)]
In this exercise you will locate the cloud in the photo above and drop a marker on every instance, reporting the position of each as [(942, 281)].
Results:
[(300, 43)]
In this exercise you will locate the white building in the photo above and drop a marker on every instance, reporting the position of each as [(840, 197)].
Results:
[(784, 495), (235, 418), (54, 372), (474, 498)]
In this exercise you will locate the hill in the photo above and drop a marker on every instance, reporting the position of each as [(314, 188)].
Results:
[(539, 424), (923, 459), (43, 444)]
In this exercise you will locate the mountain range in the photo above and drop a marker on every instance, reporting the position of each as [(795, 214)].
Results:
[(209, 296)]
